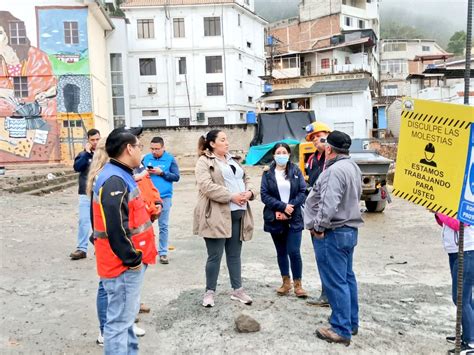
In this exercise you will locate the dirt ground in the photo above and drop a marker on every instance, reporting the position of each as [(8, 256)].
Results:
[(47, 302)]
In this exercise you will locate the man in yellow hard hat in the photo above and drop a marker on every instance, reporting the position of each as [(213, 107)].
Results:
[(317, 133)]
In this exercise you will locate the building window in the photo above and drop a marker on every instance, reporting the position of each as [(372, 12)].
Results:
[(17, 32), (215, 121), (178, 27), (154, 123), (249, 44), (390, 90), (215, 89), (247, 2), (395, 66), (182, 65), (289, 63), (184, 121), (347, 60), (342, 100), (361, 24), (426, 48), (241, 116), (241, 84), (249, 71), (145, 29), (214, 64), (147, 66), (325, 63), (212, 26), (347, 21), (118, 96), (250, 99), (238, 20), (346, 127), (71, 32), (394, 47), (72, 123), (20, 86), (148, 113)]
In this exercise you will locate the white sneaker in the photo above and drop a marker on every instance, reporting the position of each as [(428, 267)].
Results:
[(208, 300), (100, 340), (139, 332), (241, 296)]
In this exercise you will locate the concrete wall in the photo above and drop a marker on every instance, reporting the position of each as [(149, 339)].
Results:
[(182, 141), (313, 9), (394, 112)]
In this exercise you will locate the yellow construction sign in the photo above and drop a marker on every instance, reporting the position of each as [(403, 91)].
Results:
[(432, 154)]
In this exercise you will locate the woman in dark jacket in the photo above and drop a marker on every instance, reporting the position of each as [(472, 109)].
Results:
[(283, 192)]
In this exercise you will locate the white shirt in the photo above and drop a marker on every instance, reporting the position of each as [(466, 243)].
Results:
[(233, 181), (284, 185), (451, 239)]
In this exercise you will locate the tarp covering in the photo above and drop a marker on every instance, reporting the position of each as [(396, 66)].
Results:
[(273, 127), (261, 153)]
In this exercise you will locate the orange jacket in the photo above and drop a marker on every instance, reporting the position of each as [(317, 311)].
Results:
[(149, 194)]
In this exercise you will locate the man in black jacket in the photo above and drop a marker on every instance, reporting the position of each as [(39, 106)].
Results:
[(81, 165)]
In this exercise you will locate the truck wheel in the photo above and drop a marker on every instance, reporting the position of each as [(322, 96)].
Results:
[(375, 206)]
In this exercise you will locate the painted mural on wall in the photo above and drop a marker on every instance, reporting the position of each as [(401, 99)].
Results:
[(62, 34), (28, 124), (75, 94)]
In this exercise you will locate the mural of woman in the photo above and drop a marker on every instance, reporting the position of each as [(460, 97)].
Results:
[(28, 126)]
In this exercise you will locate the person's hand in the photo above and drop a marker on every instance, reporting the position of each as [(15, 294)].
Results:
[(247, 195), (280, 216), (42, 98), (159, 208), (88, 147), (317, 235), (238, 199), (136, 269), (289, 209)]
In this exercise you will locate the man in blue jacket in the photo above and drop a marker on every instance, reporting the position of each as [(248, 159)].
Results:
[(164, 171), (81, 165)]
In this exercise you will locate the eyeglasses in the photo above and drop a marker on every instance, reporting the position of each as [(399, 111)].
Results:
[(320, 139), (139, 145), (323, 140)]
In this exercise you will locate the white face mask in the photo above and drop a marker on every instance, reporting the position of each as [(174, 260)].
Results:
[(282, 159)]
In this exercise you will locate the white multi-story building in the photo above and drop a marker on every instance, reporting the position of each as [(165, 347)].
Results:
[(187, 62)]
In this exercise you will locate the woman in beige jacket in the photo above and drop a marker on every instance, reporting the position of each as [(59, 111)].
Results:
[(222, 215)]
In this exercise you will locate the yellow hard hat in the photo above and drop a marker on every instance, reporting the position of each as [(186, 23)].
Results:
[(316, 127)]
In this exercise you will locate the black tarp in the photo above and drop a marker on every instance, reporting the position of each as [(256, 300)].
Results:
[(272, 127)]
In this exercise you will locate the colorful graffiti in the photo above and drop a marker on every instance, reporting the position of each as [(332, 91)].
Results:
[(28, 125)]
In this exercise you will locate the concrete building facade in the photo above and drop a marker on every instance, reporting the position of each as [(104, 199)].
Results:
[(190, 62)]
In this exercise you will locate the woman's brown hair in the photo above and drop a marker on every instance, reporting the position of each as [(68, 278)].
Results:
[(205, 140)]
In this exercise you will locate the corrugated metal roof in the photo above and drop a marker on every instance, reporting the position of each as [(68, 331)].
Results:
[(140, 3), (339, 86), (287, 92)]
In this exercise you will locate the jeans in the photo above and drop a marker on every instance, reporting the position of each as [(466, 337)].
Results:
[(84, 230), (316, 243), (334, 254), (163, 226), (288, 246), (233, 248), (467, 292), (123, 297), (102, 304)]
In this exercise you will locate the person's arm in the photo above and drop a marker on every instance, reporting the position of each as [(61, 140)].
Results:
[(173, 174), (268, 199), (332, 189), (300, 197), (81, 162), (208, 187), (114, 206)]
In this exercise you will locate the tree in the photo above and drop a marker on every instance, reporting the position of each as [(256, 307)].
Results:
[(457, 43), (394, 30)]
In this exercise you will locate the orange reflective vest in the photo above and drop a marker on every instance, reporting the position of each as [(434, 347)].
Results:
[(139, 230)]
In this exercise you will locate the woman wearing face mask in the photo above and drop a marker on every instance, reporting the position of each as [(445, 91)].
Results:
[(283, 192)]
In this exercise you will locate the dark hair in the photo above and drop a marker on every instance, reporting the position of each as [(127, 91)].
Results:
[(158, 140), (92, 132), (21, 50), (118, 140), (288, 149), (205, 140)]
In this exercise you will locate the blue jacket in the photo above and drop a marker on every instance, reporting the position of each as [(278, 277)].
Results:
[(271, 199), (81, 165), (167, 163)]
